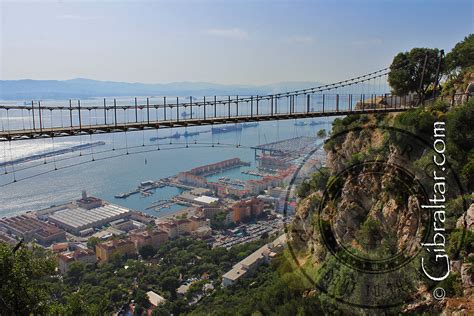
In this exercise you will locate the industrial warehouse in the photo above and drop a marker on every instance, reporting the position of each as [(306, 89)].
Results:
[(81, 217), (76, 219)]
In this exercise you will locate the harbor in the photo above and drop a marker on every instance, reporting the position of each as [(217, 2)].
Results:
[(147, 188), (224, 180), (159, 205)]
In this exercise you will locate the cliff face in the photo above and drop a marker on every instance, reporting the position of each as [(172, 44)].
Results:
[(373, 207), (370, 195)]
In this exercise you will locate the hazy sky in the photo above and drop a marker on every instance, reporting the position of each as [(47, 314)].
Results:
[(249, 42)]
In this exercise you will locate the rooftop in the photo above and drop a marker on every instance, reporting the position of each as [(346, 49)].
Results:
[(78, 217), (23, 224), (155, 299), (112, 244), (241, 268), (206, 199), (235, 273)]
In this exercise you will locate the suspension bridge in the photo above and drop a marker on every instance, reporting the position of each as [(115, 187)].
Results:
[(37, 120)]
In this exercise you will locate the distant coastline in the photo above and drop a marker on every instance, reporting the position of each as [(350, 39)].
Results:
[(28, 89)]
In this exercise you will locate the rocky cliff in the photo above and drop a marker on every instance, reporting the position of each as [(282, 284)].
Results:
[(372, 212)]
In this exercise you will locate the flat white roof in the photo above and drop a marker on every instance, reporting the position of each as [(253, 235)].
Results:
[(206, 199), (155, 299), (235, 273), (78, 217), (239, 269)]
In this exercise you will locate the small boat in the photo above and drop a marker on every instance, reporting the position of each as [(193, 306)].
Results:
[(121, 196), (186, 114), (247, 125), (300, 124), (226, 129), (189, 134)]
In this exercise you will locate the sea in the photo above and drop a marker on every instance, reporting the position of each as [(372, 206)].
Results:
[(126, 159)]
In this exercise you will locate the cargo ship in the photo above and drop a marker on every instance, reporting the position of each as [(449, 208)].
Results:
[(300, 124), (177, 135), (226, 129)]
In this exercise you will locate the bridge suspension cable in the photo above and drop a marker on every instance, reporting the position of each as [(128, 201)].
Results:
[(85, 119)]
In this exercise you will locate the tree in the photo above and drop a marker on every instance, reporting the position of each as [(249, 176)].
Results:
[(218, 221), (462, 55), (459, 63), (406, 72), (76, 305), (20, 271), (460, 140), (147, 251), (320, 178), (170, 284), (321, 133), (75, 272), (369, 234), (92, 242), (141, 298), (304, 189)]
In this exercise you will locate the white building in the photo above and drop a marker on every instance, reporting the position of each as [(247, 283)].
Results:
[(155, 299), (249, 264)]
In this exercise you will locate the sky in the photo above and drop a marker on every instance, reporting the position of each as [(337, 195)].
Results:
[(226, 42)]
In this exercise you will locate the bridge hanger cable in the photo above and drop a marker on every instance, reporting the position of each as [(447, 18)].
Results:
[(92, 147), (52, 141), (12, 165), (126, 136), (185, 137), (8, 121), (22, 119), (54, 156), (212, 137), (5, 159)]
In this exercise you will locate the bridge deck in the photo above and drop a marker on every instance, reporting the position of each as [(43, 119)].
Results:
[(9, 135)]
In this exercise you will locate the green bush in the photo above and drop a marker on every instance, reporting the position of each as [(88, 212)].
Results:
[(452, 285)]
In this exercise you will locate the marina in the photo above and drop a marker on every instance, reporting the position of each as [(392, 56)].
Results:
[(257, 173), (146, 188), (229, 181), (159, 205)]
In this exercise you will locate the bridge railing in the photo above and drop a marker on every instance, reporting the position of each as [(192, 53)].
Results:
[(77, 117)]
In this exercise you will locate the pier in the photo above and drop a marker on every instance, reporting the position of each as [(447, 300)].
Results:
[(290, 146), (218, 167)]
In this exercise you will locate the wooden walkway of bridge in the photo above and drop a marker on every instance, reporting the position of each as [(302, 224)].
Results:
[(10, 135)]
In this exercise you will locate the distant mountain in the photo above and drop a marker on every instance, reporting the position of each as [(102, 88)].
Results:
[(28, 89)]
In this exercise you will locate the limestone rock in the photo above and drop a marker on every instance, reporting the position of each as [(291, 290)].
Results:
[(469, 217)]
